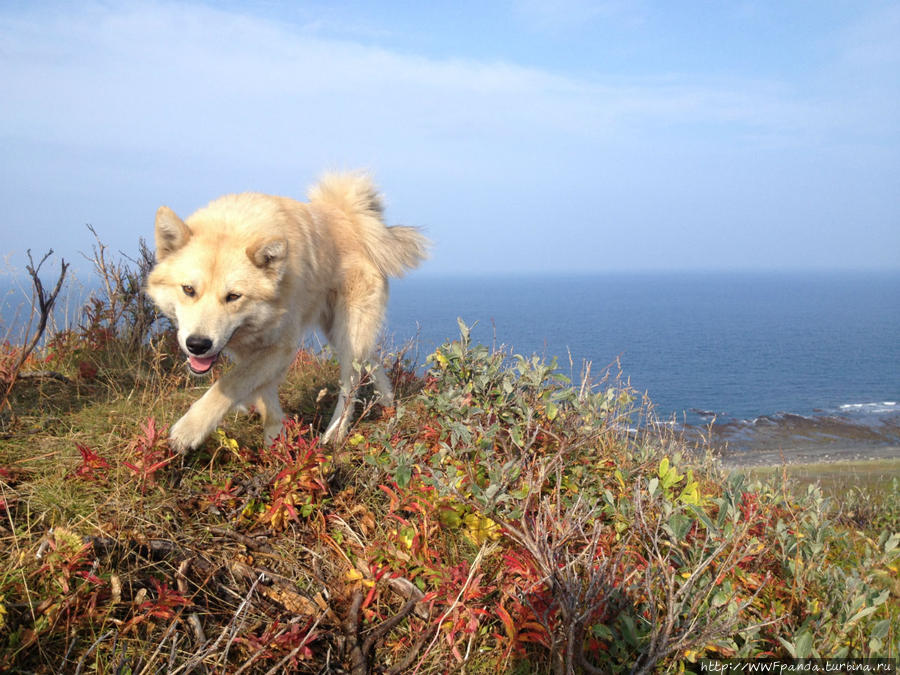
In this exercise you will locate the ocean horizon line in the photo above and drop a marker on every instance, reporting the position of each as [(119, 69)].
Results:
[(424, 274), (82, 273)]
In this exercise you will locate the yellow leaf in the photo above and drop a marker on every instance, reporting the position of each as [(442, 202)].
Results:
[(480, 529), (450, 516), (406, 536), (663, 467)]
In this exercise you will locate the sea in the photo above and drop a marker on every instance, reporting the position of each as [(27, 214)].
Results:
[(769, 365)]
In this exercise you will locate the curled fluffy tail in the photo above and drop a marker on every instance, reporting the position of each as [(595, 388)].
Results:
[(395, 250)]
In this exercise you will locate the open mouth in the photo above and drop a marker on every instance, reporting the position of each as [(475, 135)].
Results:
[(200, 365)]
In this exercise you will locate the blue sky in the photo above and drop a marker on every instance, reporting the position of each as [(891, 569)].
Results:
[(524, 136)]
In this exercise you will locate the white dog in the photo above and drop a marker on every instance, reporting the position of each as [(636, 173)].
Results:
[(249, 273)]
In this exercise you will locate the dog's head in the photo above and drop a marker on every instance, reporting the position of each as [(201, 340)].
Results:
[(214, 281)]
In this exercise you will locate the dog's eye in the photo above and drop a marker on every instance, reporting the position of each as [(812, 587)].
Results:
[(188, 291), (231, 297)]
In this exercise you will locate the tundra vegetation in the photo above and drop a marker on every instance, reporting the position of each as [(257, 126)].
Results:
[(502, 517)]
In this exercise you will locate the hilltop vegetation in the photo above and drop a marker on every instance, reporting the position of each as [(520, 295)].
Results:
[(500, 518)]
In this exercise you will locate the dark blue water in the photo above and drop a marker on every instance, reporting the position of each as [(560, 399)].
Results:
[(740, 345)]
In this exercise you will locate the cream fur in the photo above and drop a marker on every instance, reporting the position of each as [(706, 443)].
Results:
[(293, 265)]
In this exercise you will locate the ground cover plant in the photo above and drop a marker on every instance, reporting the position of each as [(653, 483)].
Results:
[(500, 518)]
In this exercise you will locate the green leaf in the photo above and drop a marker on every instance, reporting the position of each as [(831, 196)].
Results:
[(671, 477), (628, 630), (403, 474), (680, 525), (881, 629), (789, 646), (451, 517), (701, 516), (602, 632), (552, 411), (803, 644), (857, 603), (861, 614), (464, 330), (663, 467)]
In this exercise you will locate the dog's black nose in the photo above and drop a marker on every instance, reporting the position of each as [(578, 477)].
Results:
[(198, 344)]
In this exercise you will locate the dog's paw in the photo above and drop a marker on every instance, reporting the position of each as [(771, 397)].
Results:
[(335, 433), (272, 431), (184, 436)]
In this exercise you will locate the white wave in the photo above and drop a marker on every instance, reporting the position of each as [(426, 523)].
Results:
[(870, 408)]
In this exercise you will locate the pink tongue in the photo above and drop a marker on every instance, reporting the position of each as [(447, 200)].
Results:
[(201, 365)]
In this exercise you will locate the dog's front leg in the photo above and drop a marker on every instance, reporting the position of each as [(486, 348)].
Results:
[(200, 420), (232, 389)]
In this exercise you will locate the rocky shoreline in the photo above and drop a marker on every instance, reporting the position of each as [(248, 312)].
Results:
[(810, 454)]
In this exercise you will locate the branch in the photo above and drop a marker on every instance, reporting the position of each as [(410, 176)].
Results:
[(361, 650), (45, 303)]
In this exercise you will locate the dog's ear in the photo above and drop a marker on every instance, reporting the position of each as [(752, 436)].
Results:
[(171, 232), (269, 254)]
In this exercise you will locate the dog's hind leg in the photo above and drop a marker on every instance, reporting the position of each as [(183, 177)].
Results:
[(382, 384), (269, 407), (340, 420), (358, 312), (350, 380)]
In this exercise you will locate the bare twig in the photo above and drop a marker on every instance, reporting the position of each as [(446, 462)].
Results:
[(193, 620), (41, 374), (279, 667), (90, 651), (130, 310), (169, 631), (361, 650), (232, 627), (45, 302), (249, 542)]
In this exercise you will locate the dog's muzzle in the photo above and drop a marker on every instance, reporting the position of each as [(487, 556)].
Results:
[(198, 346)]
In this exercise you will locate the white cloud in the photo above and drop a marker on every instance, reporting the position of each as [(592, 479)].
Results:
[(189, 75)]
